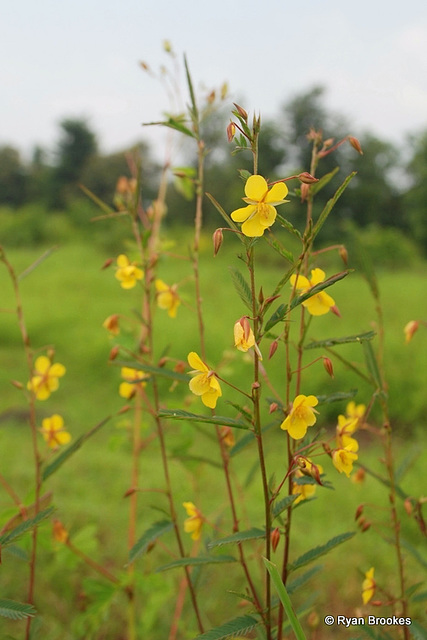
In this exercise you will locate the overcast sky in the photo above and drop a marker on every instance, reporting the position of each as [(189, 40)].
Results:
[(80, 58)]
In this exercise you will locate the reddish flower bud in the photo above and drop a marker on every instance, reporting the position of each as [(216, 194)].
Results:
[(17, 384), (180, 367), (365, 527), (129, 492), (343, 254), (410, 329), (336, 311), (305, 188), (275, 538), (329, 368), (124, 409), (273, 407), (273, 348), (60, 533), (261, 296), (242, 113), (408, 506), (328, 143), (256, 385), (217, 238), (359, 511), (107, 263), (307, 178), (114, 353), (355, 144), (231, 131)]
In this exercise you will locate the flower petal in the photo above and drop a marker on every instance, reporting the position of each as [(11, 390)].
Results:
[(317, 275), (256, 188), (253, 228), (277, 193), (240, 215), (199, 385), (196, 363), (301, 282)]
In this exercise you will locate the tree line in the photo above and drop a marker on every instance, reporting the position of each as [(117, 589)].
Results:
[(388, 193)]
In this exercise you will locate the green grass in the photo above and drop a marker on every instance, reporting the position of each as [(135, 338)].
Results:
[(65, 302)]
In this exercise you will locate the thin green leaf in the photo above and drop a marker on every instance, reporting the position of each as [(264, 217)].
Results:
[(289, 226), (100, 203), (285, 600), (220, 210), (415, 553), (276, 317), (245, 174), (242, 287), (246, 415), (172, 123), (163, 372), (36, 263), (62, 457), (196, 562), (155, 531), (26, 525), (179, 414), (372, 364), (323, 181), (330, 205), (295, 584), (271, 240), (240, 536), (316, 552), (233, 628), (337, 396), (16, 610), (281, 506), (419, 597), (417, 631), (407, 463), (194, 109), (331, 342)]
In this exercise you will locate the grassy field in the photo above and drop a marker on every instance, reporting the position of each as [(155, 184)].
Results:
[(65, 301)]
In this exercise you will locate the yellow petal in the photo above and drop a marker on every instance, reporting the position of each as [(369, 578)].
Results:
[(57, 370), (253, 228), (210, 398), (42, 364), (256, 188), (301, 282), (317, 275), (122, 260), (200, 385), (319, 304), (240, 215), (161, 286), (277, 193), (196, 363)]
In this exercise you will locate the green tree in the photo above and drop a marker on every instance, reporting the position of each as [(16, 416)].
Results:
[(415, 198), (13, 177)]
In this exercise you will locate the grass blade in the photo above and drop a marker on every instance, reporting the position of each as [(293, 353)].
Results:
[(285, 600)]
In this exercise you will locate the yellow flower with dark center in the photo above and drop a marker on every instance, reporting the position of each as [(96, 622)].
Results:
[(45, 378), (320, 303), (127, 272), (368, 586), (343, 459), (194, 523), (300, 417), (205, 383), (260, 213), (167, 298), (134, 381), (53, 431)]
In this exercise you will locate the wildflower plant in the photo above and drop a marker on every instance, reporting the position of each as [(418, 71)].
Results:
[(242, 455)]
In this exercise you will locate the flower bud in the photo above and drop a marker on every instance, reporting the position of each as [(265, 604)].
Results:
[(60, 533), (408, 506), (359, 476), (180, 367), (17, 384), (355, 144), (410, 329), (112, 324), (275, 538), (114, 353), (336, 311), (231, 131), (343, 254), (273, 407), (305, 188), (365, 527), (217, 238), (107, 263), (328, 143), (256, 385), (307, 178), (227, 436), (313, 620), (328, 367), (273, 349), (242, 113), (211, 97), (359, 511)]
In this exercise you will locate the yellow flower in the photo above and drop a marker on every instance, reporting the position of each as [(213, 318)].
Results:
[(301, 416), (343, 459), (53, 431), (205, 383), (345, 429), (127, 272), (167, 298), (194, 523), (321, 302), (244, 337), (260, 212), (368, 586), (355, 411), (45, 378), (134, 380), (227, 436), (112, 324), (303, 491)]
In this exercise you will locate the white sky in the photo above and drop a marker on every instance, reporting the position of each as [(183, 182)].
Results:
[(79, 58)]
